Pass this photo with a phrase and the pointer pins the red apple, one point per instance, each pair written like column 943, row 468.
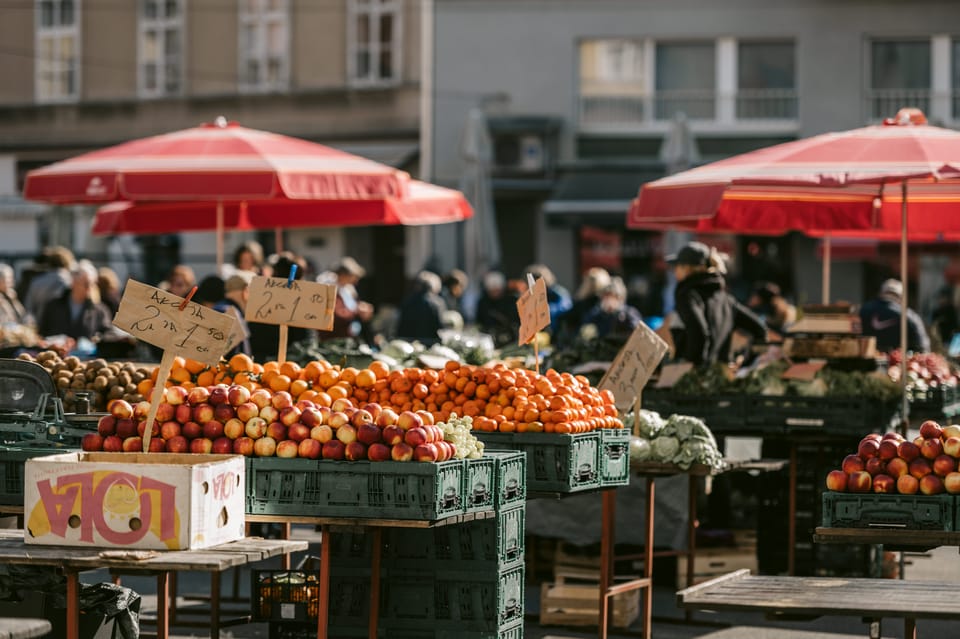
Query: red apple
column 201, row 445
column 157, row 445
column 112, row 444
column 409, row 419
column 898, row 467
column 888, row 449
column 426, row 417
column 951, row 446
column 255, row 428
column 378, row 452
column 930, row 430
column 178, row 444
column 218, row 394
column 281, row 400
column 321, row 433
column 191, row 430
column 875, row 436
column 265, row 447
column 198, row 395
column 931, row 485
column 943, row 465
column 338, row 419
column 415, row 436
column 260, row 397
column 126, row 428
column 894, row 435
column 223, row 446
column 425, row 453
column 175, row 395
column 868, row 448
column 270, row 414
column 341, row 405
column 391, row 435
column 368, row 433
column 213, row 430
column 133, row 445
column 920, row 467
column 107, row 425
column 92, row 442
column 387, row 417
column 234, row 428
column 333, row 449
column 311, row 417
column 374, row 409
column 908, row 485
column 288, row 449
column 860, row 482
column 243, row 446
column 154, row 431
column 401, row 452
column 277, row 430
column 931, row 448
column 298, row 432
column 224, row 413
column 202, row 413
column 884, row 484
column 952, row 483
column 289, row 415
column 183, row 413
column 309, row 448
column 908, row 451
column 875, row 466
column 355, row 451
column 347, row 433
column 237, row 394
column 361, row 417
column 121, row 409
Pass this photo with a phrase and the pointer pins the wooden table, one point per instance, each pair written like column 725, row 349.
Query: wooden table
column 896, row 538
column 331, row 525
column 811, row 597
column 22, row 628
column 72, row 561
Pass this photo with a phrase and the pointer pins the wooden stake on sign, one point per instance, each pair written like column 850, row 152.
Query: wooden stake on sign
column 534, row 312
column 282, row 346
column 166, row 365
column 536, row 341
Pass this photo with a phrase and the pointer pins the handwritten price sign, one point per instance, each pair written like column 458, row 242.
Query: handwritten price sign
column 303, row 304
column 534, row 311
column 154, row 316
column 633, row 365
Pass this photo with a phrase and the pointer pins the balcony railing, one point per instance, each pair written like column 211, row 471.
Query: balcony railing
column 611, row 110
column 885, row 103
column 955, row 103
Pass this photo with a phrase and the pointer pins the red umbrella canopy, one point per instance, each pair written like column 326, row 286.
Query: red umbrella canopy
column 423, row 204
column 218, row 161
column 846, row 181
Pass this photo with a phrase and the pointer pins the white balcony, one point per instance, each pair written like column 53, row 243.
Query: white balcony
column 885, row 103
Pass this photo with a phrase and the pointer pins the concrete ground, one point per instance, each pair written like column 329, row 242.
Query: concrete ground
column 942, row 565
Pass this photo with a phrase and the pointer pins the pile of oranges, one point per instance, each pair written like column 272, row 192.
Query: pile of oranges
column 498, row 398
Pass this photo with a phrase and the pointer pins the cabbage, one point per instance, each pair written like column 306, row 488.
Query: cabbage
column 639, row 449
column 664, row 448
column 649, row 423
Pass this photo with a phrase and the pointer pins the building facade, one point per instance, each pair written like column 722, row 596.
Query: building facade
column 581, row 96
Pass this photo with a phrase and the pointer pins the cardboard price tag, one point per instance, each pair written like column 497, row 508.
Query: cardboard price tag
column 154, row 316
column 303, row 304
column 670, row 374
column 805, row 371
column 633, row 365
column 534, row 311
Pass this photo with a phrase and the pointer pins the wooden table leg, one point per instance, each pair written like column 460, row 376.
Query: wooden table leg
column 692, row 524
column 909, row 628
column 73, row 604
column 163, row 604
column 646, row 612
column 375, row 583
column 285, row 529
column 324, row 607
column 172, row 586
column 607, row 529
column 792, row 512
column 214, row 605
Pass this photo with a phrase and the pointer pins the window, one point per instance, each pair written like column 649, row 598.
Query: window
column 374, row 42
column 900, row 74
column 766, row 80
column 955, row 78
column 264, row 45
column 57, row 50
column 160, row 48
column 613, row 81
column 686, row 80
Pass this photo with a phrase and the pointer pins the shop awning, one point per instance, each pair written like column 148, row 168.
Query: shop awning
column 596, row 195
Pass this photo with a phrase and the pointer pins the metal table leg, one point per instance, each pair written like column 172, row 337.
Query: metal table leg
column 73, row 604
column 214, row 605
column 324, row 607
column 608, row 522
column 792, row 512
column 909, row 628
column 163, row 604
column 646, row 608
column 375, row 583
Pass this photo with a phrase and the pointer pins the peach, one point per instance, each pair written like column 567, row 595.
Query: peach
column 884, row 484
column 265, row 447
column 355, row 451
column 860, row 482
column 381, row 452
column 908, row 485
column 298, row 432
column 222, row 446
column 930, row 430
column 321, row 433
column 201, row 445
column 333, row 449
column 288, row 449
column 309, row 448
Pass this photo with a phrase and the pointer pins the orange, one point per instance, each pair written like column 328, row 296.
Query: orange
column 380, row 369
column 413, row 374
column 179, row 375
column 193, row 365
column 348, row 374
column 279, row 382
column 336, row 392
column 366, row 378
column 145, row 386
column 361, row 395
column 420, row 391
column 312, row 371
column 451, row 366
column 272, row 365
column 290, row 369
column 328, row 377
column 321, row 398
column 206, row 378
column 298, row 386
column 430, row 376
column 179, row 362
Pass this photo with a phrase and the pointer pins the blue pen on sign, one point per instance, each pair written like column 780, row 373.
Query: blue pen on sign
column 293, row 274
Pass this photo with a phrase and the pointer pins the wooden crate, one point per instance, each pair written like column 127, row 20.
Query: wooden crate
column 713, row 562
column 565, row 604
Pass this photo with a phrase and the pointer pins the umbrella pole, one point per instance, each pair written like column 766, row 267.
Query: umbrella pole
column 905, row 405
column 825, row 286
column 278, row 239
column 219, row 267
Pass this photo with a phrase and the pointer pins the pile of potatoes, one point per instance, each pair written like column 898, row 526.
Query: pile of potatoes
column 101, row 380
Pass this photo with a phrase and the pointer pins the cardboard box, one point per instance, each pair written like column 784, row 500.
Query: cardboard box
column 134, row 500
column 713, row 562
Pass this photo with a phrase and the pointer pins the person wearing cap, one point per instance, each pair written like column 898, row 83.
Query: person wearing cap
column 709, row 313
column 880, row 318
column 236, row 292
column 350, row 313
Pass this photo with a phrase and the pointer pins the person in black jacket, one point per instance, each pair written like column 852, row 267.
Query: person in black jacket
column 709, row 314
column 421, row 313
column 78, row 312
column 880, row 318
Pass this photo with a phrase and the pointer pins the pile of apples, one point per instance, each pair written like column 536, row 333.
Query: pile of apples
column 225, row 419
column 893, row 464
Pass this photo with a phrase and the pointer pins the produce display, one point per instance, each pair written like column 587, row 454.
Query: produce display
column 890, row 463
column 680, row 439
column 102, row 380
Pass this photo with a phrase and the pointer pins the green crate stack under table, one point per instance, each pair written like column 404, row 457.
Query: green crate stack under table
column 12, row 462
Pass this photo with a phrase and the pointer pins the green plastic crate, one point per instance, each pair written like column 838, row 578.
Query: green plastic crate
column 361, row 489
column 12, row 461
column 308, row 630
column 511, row 477
column 454, row 600
column 870, row 510
column 479, row 484
column 614, row 457
column 561, row 463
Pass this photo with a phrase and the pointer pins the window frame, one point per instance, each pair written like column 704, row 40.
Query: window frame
column 160, row 24
column 873, row 98
column 260, row 20
column 375, row 9
column 55, row 34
